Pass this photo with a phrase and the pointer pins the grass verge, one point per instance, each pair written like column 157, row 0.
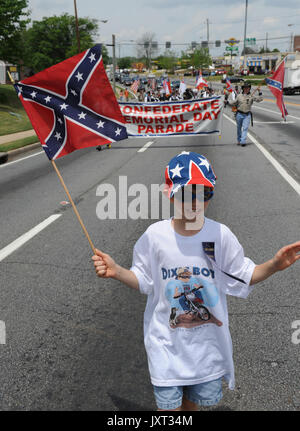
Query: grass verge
column 13, row 117
column 18, row 144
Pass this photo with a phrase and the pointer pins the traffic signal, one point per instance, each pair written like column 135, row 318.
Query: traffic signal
column 218, row 43
column 194, row 44
column 168, row 45
column 204, row 44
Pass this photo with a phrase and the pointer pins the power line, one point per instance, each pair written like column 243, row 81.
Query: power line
column 199, row 43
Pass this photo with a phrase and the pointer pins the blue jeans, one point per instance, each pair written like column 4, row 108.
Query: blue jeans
column 243, row 122
column 202, row 394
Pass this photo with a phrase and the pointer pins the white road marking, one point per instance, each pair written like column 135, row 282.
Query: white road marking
column 13, row 246
column 2, row 332
column 144, row 148
column 23, row 158
column 293, row 183
column 274, row 112
column 273, row 122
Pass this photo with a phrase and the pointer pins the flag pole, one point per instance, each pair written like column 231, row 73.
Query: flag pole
column 73, row 205
column 67, row 192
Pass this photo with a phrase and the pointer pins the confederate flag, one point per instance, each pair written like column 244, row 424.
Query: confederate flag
column 71, row 105
column 275, row 84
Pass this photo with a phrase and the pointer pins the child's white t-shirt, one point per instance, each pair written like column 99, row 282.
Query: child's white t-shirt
column 185, row 350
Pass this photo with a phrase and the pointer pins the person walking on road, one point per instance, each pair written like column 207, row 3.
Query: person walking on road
column 190, row 354
column 243, row 103
column 126, row 95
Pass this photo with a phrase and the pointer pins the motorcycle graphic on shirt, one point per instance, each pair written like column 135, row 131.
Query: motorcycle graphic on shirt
column 188, row 306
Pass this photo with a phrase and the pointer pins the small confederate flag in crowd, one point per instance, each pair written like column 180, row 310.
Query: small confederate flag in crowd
column 167, row 87
column 275, row 84
column 201, row 82
column 135, row 85
column 229, row 86
column 71, row 105
column 182, row 87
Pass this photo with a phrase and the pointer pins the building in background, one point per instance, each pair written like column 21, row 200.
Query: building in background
column 297, row 43
column 13, row 69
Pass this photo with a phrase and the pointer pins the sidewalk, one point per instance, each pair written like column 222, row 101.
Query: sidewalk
column 5, row 139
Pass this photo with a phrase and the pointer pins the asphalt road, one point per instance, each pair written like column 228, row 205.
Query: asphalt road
column 75, row 342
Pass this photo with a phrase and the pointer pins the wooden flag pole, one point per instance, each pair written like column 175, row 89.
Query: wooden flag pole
column 67, row 191
column 73, row 205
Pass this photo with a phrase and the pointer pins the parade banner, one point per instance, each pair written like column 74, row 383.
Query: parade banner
column 186, row 117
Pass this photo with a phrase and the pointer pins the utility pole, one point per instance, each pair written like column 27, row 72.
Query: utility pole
column 207, row 23
column 207, row 27
column 292, row 44
column 114, row 61
column 245, row 33
column 77, row 28
column 266, row 42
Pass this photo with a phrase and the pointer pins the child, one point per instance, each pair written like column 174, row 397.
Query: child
column 186, row 265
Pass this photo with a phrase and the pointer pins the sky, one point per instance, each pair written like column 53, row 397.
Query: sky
column 182, row 21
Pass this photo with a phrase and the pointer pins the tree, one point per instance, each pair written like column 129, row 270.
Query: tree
column 13, row 20
column 53, row 39
column 168, row 60
column 147, row 47
column 125, row 62
column 198, row 58
column 249, row 50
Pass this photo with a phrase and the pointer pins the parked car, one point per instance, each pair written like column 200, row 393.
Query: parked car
column 220, row 72
column 233, row 79
column 245, row 72
column 127, row 81
column 117, row 76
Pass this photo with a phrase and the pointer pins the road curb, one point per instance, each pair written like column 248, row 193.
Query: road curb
column 9, row 155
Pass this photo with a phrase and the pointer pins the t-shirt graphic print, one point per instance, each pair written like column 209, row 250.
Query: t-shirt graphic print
column 191, row 300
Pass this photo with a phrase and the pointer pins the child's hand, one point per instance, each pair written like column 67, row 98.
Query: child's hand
column 105, row 266
column 286, row 256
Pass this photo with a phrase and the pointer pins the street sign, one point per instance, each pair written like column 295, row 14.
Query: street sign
column 250, row 41
column 232, row 41
column 232, row 48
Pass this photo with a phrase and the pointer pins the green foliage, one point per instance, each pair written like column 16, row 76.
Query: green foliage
column 20, row 143
column 13, row 117
column 53, row 39
column 125, row 62
column 13, row 20
column 167, row 61
column 198, row 58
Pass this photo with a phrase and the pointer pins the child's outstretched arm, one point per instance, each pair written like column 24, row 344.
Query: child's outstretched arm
column 106, row 267
column 284, row 258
